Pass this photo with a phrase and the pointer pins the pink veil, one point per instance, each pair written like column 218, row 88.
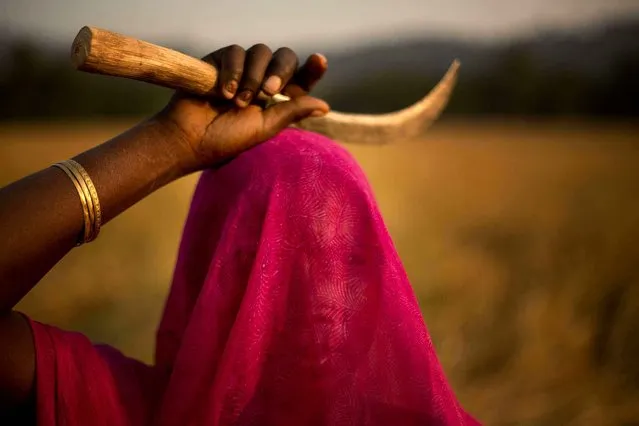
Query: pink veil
column 289, row 303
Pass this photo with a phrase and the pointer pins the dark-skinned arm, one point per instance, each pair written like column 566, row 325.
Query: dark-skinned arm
column 41, row 221
column 41, row 216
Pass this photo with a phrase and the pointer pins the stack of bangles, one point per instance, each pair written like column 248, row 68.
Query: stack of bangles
column 88, row 197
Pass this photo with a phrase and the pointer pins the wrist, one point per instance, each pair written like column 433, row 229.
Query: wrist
column 178, row 145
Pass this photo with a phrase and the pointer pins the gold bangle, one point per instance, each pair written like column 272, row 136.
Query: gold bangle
column 83, row 201
column 87, row 195
column 97, row 222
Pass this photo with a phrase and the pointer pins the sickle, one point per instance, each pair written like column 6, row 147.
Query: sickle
column 104, row 52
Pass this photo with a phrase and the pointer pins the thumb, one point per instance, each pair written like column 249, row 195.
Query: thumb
column 283, row 114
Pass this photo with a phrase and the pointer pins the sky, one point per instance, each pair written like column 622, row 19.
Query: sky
column 329, row 23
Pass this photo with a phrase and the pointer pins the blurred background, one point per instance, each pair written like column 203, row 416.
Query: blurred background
column 516, row 215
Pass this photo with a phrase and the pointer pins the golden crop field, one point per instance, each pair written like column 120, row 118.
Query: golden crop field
column 521, row 240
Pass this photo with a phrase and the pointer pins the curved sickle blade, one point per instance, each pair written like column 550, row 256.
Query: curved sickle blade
column 377, row 129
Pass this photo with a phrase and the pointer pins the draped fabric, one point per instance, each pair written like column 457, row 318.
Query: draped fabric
column 289, row 306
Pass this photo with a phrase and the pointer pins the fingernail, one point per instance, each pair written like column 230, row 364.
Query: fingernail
column 231, row 88
column 322, row 59
column 272, row 84
column 317, row 113
column 245, row 96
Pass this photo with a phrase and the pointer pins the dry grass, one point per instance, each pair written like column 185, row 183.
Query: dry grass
column 520, row 240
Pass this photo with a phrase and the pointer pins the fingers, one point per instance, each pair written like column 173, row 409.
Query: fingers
column 308, row 76
column 257, row 61
column 283, row 114
column 231, row 63
column 280, row 71
column 243, row 74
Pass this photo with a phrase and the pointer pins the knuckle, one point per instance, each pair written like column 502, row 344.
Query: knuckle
column 287, row 59
column 234, row 48
column 260, row 49
column 232, row 56
column 286, row 52
column 260, row 46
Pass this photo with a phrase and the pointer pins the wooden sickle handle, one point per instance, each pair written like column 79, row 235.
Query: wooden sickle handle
column 104, row 52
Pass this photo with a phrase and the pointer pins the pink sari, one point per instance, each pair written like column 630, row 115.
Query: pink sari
column 289, row 306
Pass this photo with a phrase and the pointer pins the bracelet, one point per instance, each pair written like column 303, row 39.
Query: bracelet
column 85, row 209
column 97, row 224
column 85, row 191
column 88, row 198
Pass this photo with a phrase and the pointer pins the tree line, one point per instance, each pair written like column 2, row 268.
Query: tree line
column 36, row 86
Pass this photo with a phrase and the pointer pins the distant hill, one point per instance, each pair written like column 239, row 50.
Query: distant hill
column 592, row 72
column 590, row 51
column 590, row 58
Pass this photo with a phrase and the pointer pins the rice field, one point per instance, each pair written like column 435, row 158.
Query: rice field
column 520, row 239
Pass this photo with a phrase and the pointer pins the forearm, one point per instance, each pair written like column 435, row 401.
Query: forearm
column 41, row 215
